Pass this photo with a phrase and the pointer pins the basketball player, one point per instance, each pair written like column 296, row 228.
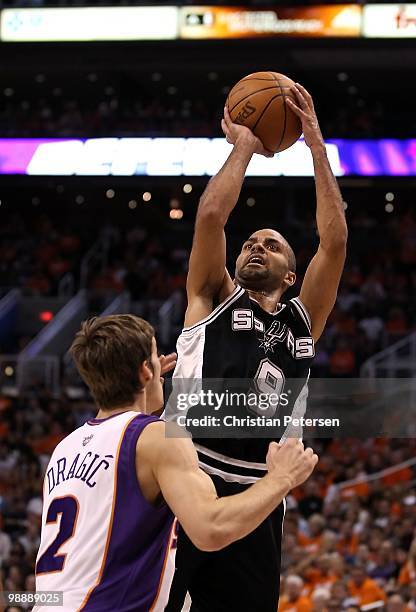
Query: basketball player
column 239, row 329
column 106, row 526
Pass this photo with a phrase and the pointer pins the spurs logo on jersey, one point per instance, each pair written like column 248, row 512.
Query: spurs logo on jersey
column 274, row 334
column 240, row 340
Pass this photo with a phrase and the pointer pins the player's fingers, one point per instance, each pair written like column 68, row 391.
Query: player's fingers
column 273, row 450
column 298, row 111
column 288, row 442
column 227, row 135
column 168, row 366
column 265, row 152
column 227, row 117
column 169, row 358
column 305, row 94
column 301, row 99
column 226, row 129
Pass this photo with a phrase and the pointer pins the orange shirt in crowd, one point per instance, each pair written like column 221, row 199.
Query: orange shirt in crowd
column 47, row 444
column 367, row 593
column 302, row 604
column 403, row 475
column 310, row 544
column 361, row 489
column 407, row 573
column 342, row 362
column 315, row 579
column 348, row 544
column 4, row 430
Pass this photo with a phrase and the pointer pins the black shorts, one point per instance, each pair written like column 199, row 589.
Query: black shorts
column 243, row 577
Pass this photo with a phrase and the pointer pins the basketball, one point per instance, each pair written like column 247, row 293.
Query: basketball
column 258, row 102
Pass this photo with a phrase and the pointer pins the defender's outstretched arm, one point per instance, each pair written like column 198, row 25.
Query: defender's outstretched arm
column 320, row 284
column 212, row 522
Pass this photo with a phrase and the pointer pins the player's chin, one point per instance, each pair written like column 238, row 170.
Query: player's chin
column 251, row 273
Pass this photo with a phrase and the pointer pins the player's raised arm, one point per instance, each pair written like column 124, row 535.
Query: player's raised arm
column 320, row 284
column 207, row 274
column 211, row 522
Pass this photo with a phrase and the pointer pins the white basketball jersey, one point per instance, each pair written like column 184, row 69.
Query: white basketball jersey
column 102, row 543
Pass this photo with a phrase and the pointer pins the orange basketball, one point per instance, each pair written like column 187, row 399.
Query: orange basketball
column 258, row 102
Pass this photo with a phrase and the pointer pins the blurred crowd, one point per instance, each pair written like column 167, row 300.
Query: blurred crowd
column 346, row 544
column 377, row 298
column 157, row 104
column 37, row 251
column 198, row 117
column 35, row 254
column 353, row 546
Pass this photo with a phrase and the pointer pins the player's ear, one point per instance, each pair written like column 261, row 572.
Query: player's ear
column 145, row 373
column 289, row 279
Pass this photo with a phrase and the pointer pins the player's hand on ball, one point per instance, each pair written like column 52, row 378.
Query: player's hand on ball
column 306, row 112
column 234, row 132
column 291, row 461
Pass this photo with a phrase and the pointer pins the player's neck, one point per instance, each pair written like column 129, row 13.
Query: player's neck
column 138, row 406
column 268, row 301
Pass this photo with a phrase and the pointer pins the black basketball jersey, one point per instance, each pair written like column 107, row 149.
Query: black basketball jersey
column 240, row 340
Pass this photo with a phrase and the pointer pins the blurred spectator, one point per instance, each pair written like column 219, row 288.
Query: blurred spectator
column 319, row 600
column 385, row 566
column 292, row 599
column 396, row 603
column 408, row 571
column 312, row 502
column 372, row 325
column 364, row 589
column 311, row 540
column 342, row 361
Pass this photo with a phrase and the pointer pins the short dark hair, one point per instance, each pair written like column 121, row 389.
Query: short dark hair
column 291, row 258
column 108, row 352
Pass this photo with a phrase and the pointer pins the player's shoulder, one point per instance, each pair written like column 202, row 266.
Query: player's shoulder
column 299, row 313
column 160, row 440
column 222, row 307
column 94, row 426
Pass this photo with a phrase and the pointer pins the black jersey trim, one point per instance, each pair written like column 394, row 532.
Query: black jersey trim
column 229, row 476
column 302, row 311
column 230, row 460
column 231, row 467
column 238, row 292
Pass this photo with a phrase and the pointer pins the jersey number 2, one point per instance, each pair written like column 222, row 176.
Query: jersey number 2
column 68, row 508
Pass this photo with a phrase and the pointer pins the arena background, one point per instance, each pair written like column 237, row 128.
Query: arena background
column 96, row 239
